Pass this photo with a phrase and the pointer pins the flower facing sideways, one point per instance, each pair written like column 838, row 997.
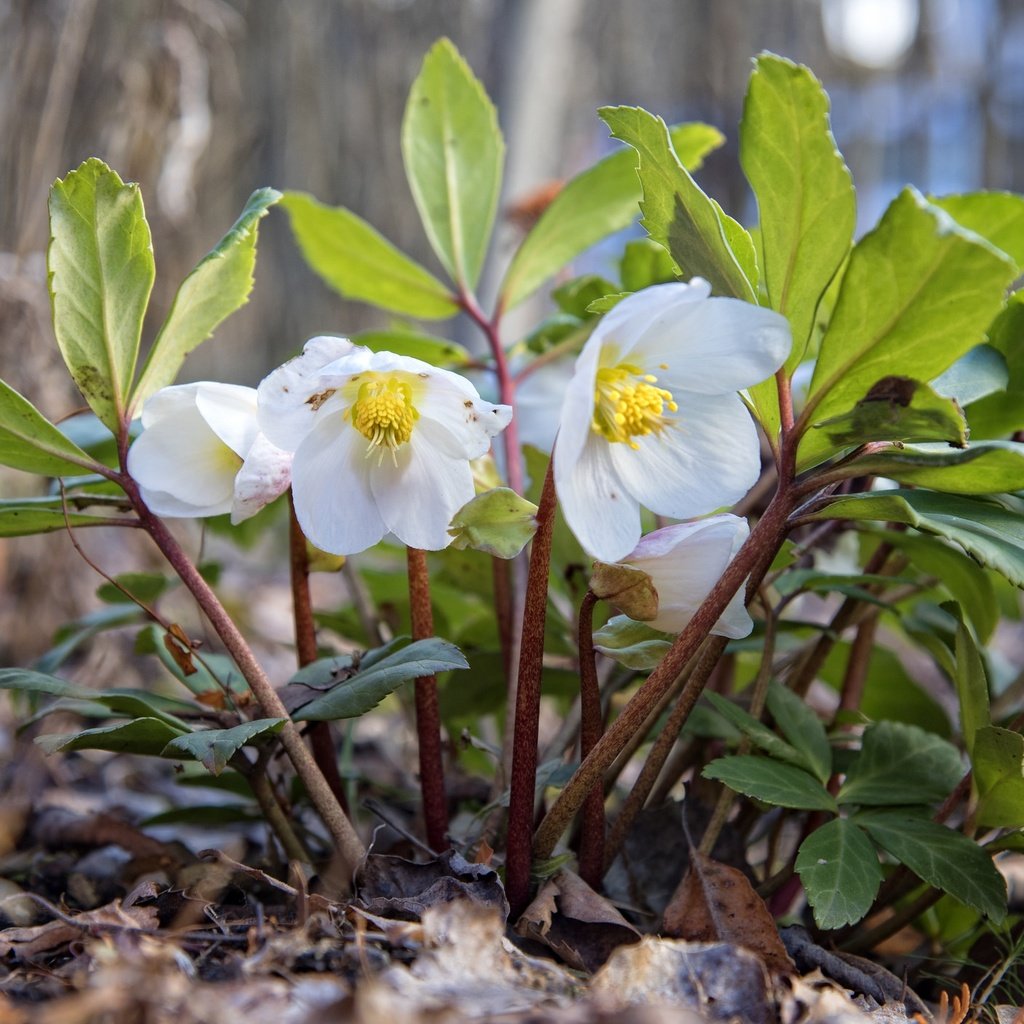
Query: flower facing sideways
column 652, row 416
column 382, row 443
column 666, row 578
column 201, row 453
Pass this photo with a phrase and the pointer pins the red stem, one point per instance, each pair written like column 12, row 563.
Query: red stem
column 591, row 726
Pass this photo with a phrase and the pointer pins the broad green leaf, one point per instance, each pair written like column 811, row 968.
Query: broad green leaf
column 644, row 263
column 27, row 680
column 998, row 763
column 900, row 764
column 144, row 586
column 576, row 296
column 632, row 644
column 918, row 293
column 971, row 687
column 996, row 216
column 498, row 522
column 596, row 203
column 803, row 728
column 771, row 781
column 805, row 199
column 215, row 747
column 676, row 212
column 1000, row 415
column 987, row 530
column 436, row 351
column 980, row 373
column 841, row 873
column 23, row 518
column 453, row 152
column 101, row 270
column 371, row 684
column 29, row 441
column 219, row 284
column 148, row 736
column 359, row 263
column 943, row 858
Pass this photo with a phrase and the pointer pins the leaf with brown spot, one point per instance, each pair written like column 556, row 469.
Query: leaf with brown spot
column 180, row 649
column 717, row 903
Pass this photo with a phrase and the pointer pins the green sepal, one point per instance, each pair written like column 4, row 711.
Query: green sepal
column 499, row 522
column 632, row 644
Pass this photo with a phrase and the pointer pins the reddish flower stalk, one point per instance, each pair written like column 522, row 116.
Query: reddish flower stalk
column 591, row 856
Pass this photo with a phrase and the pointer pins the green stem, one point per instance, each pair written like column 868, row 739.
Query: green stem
column 273, row 814
column 591, row 857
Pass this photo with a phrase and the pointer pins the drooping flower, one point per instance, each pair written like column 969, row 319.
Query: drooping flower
column 652, row 416
column 201, row 453
column 382, row 443
column 666, row 578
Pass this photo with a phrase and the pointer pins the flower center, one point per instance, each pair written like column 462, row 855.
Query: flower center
column 628, row 405
column 384, row 414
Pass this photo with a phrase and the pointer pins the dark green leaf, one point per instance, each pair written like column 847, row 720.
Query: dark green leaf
column 206, row 815
column 998, row 762
column 803, row 728
column 437, row 351
column 144, row 586
column 771, row 781
column 839, row 867
column 30, row 442
column 28, row 681
column 971, row 687
column 215, row 747
column 148, row 736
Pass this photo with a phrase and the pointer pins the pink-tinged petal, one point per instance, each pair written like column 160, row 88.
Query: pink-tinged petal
column 265, row 475
column 331, row 489
column 418, row 497
column 453, row 416
column 230, row 410
column 599, row 509
column 706, row 459
column 574, row 427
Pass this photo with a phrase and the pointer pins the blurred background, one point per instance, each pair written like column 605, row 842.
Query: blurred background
column 201, row 101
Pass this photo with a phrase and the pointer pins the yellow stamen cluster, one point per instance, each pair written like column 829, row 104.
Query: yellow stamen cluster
column 384, row 414
column 628, row 405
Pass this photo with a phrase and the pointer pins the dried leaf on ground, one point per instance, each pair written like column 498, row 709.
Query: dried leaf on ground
column 28, row 942
column 715, row 902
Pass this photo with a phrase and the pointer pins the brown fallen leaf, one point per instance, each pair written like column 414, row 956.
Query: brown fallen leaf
column 716, row 903
column 27, row 942
column 582, row 927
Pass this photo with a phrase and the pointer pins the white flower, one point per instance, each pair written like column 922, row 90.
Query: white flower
column 681, row 563
column 382, row 443
column 652, row 417
column 201, row 453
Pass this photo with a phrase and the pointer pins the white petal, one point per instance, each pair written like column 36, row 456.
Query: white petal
column 230, row 410
column 624, row 324
column 574, row 427
column 169, row 402
column 330, row 485
column 453, row 416
column 169, row 507
column 265, row 474
column 708, row 458
column 418, row 498
column 600, row 511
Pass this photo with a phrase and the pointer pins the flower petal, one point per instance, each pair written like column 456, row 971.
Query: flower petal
column 626, row 322
column 265, row 474
column 230, row 410
column 709, row 457
column 455, row 418
column 574, row 427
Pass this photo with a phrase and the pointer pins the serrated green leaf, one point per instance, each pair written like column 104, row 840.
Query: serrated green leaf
column 805, row 198
column 632, row 644
column 676, row 212
column 499, row 522
column 100, row 264
column 30, row 442
column 219, row 284
column 147, row 736
column 771, row 781
column 433, row 350
column 453, row 152
column 998, row 763
column 996, row 216
column 987, row 530
column 803, row 728
column 372, row 683
column 215, row 747
column 900, row 764
column 941, row 857
column 359, row 263
column 917, row 294
column 839, row 868
column 596, row 203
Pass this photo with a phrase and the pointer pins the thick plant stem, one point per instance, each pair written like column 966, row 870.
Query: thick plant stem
column 350, row 849
column 271, row 809
column 591, row 857
column 428, row 713
column 753, row 560
column 527, row 708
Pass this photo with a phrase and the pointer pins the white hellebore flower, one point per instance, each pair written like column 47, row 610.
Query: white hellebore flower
column 651, row 416
column 201, row 453
column 680, row 564
column 382, row 443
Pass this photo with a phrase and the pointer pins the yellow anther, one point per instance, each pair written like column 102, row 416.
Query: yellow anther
column 383, row 413
column 627, row 405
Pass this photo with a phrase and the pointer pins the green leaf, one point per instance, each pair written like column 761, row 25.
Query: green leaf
column 632, row 644
column 987, row 530
column 805, row 199
column 901, row 764
column 29, row 441
column 839, row 868
column 575, row 297
column 25, row 517
column 998, row 762
column 999, row 415
column 971, row 687
column 148, row 736
column 917, row 294
column 764, row 779
column 72, row 635
column 980, row 373
column 26, row 680
column 215, row 747
column 101, row 270
column 372, row 683
column 404, row 342
column 596, row 203
column 498, row 522
column 943, row 858
column 453, row 152
column 803, row 728
column 645, row 263
column 219, row 284
column 144, row 586
column 996, row 216
column 676, row 212
column 359, row 263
